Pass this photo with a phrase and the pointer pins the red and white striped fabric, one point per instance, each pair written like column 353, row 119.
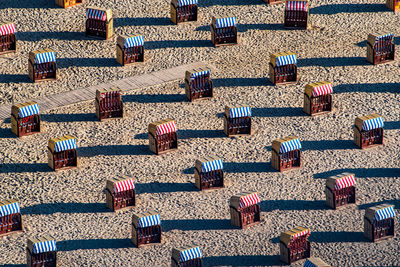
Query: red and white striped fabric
column 345, row 182
column 296, row 6
column 305, row 232
column 111, row 94
column 165, row 128
column 124, row 185
column 249, row 200
column 325, row 89
column 7, row 29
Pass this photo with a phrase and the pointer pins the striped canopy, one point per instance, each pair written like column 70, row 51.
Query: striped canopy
column 65, row 145
column 165, row 128
column 249, row 200
column 45, row 246
column 9, row 209
column 134, row 41
column 345, row 182
column 124, row 185
column 297, row 6
column 190, row 254
column 384, row 213
column 304, row 232
column 325, row 89
column 309, row 264
column 45, row 57
column 96, row 14
column 7, row 29
column 212, row 165
column 240, row 112
column 286, row 60
column 372, row 124
column 290, row 145
column 28, row 111
column 225, row 22
column 187, row 2
column 149, row 221
column 200, row 73
column 384, row 36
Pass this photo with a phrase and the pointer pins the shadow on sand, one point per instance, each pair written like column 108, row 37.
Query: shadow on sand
column 362, row 173
column 70, row 245
column 50, row 208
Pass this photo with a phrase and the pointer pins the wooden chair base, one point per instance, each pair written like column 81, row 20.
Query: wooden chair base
column 226, row 44
column 249, row 225
column 13, row 232
column 319, row 113
column 287, row 83
column 44, row 80
column 147, row 245
column 381, row 62
column 253, row 131
column 8, row 52
column 371, row 146
column 100, row 37
column 124, row 209
column 65, row 168
column 291, row 169
column 166, row 151
column 342, row 207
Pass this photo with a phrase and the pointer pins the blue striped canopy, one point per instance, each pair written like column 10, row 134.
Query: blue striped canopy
column 212, row 165
column 187, row 2
column 290, row 145
column 9, row 209
column 28, row 111
column 65, row 145
column 225, row 22
column 149, row 221
column 390, row 35
column 45, row 246
column 200, row 73
column 373, row 124
column 309, row 264
column 133, row 41
column 45, row 57
column 190, row 254
column 240, row 112
column 384, row 213
column 286, row 60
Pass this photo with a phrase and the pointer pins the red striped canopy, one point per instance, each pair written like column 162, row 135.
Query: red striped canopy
column 325, row 89
column 124, row 185
column 344, row 182
column 7, row 29
column 249, row 200
column 296, row 6
column 305, row 232
column 165, row 128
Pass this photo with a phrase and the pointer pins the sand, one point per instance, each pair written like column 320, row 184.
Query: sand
column 70, row 205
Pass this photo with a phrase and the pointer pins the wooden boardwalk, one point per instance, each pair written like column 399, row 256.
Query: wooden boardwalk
column 127, row 84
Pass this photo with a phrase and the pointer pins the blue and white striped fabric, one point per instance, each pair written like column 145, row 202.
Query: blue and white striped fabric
column 286, row 60
column 65, row 145
column 187, row 2
column 149, row 221
column 225, row 22
column 309, row 264
column 385, row 213
column 9, row 209
column 45, row 246
column 200, row 73
column 390, row 35
column 373, row 124
column 190, row 254
column 240, row 112
column 45, row 57
column 28, row 111
column 133, row 41
column 290, row 145
column 212, row 165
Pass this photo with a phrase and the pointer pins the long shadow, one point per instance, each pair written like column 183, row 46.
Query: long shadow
column 24, row 167
column 367, row 87
column 68, row 117
column 243, row 167
column 6, row 133
column 176, row 44
column 42, row 4
column 243, row 260
column 208, row 3
column 114, row 150
column 365, row 206
column 251, row 26
column 332, row 61
column 14, row 78
column 282, row 204
column 321, row 145
column 142, row 21
column 348, row 8
column 152, row 98
column 396, row 41
column 277, row 112
column 62, row 35
column 51, row 208
column 70, row 245
column 87, row 62
column 12, row 265
column 264, row 81
column 331, row 237
column 188, row 134
column 156, row 187
column 196, row 224
column 392, row 125
column 362, row 173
